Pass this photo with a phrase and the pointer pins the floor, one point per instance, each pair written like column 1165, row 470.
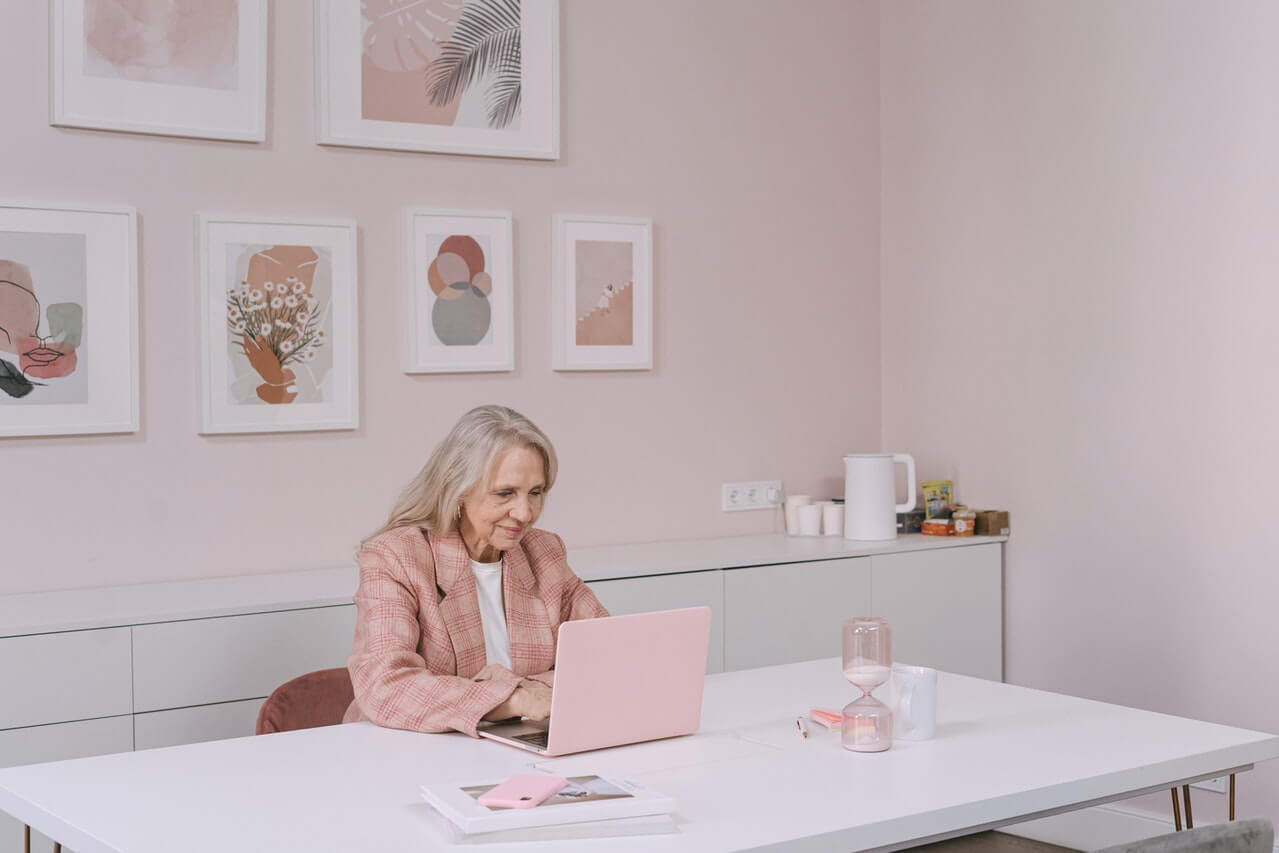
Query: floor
column 993, row 842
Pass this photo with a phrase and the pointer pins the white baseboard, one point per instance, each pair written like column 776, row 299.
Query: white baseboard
column 1095, row 828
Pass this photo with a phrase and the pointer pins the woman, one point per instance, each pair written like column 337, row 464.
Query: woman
column 460, row 598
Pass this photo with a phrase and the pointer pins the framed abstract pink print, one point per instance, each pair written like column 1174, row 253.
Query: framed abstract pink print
column 602, row 293
column 279, row 334
column 177, row 68
column 68, row 320
column 460, row 293
column 449, row 76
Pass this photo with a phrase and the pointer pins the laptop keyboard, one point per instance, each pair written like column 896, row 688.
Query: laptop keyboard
column 537, row 739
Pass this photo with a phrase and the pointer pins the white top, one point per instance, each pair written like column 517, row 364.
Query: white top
column 747, row 780
column 488, row 587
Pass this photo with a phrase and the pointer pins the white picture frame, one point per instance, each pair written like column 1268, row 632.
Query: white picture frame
column 589, row 330
column 301, row 373
column 461, row 320
column 375, row 63
column 69, row 353
column 181, row 72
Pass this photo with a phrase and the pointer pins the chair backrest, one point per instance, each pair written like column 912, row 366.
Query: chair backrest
column 316, row 699
column 1240, row 836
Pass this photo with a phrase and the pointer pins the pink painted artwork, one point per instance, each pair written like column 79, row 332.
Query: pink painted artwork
column 441, row 62
column 461, row 314
column 279, row 326
column 42, row 323
column 172, row 42
column 604, row 292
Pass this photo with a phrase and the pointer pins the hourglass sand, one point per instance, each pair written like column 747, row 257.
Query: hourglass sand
column 868, row 663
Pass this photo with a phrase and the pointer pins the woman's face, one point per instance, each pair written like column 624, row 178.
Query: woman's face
column 497, row 514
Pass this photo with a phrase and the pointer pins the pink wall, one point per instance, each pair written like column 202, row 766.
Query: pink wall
column 1079, row 265
column 757, row 160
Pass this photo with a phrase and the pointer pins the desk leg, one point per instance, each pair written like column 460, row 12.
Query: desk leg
column 26, row 839
column 1190, row 821
column 1176, row 810
column 57, row 848
column 1232, row 796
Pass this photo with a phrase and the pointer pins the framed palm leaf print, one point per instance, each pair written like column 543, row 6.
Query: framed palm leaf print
column 448, row 76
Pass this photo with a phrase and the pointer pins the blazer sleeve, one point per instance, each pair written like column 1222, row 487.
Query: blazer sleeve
column 577, row 601
column 393, row 686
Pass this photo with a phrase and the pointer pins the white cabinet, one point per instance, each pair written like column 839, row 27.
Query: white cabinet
column 791, row 612
column 945, row 606
column 670, row 592
column 195, row 725
column 54, row 678
column 177, row 664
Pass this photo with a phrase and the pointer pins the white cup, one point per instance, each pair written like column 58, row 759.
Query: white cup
column 833, row 519
column 913, row 698
column 793, row 503
column 810, row 520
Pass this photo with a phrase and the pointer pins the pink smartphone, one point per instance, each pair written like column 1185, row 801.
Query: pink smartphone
column 521, row 792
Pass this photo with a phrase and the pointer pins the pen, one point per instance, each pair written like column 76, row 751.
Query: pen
column 803, row 729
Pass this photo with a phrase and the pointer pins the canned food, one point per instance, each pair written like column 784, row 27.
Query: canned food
column 965, row 522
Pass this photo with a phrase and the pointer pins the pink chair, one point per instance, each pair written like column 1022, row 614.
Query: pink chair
column 316, row 699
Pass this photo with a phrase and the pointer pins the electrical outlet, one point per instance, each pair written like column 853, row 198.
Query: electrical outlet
column 1216, row 783
column 760, row 494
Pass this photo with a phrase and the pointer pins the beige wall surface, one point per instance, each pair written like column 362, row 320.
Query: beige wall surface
column 755, row 155
column 1079, row 266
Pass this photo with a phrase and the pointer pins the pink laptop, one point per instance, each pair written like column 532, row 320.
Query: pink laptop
column 621, row 679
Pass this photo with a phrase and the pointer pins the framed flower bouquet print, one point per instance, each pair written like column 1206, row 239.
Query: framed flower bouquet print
column 177, row 68
column 68, row 320
column 450, row 76
column 602, row 293
column 460, row 295
column 279, row 327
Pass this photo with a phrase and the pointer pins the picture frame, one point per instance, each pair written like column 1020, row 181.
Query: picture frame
column 602, row 293
column 294, row 281
column 459, row 291
column 195, row 68
column 395, row 74
column 68, row 319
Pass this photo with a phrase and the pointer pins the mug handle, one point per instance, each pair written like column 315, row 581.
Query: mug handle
column 903, row 705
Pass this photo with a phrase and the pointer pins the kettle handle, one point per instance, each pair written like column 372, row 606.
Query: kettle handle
column 909, row 461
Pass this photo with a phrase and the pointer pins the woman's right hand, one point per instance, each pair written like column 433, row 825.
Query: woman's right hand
column 531, row 700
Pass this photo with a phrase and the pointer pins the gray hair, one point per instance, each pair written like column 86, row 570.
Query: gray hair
column 462, row 461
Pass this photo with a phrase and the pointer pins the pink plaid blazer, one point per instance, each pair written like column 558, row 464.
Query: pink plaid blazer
column 418, row 637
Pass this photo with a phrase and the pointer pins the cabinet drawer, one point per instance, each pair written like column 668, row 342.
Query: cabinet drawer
column 54, row 678
column 176, row 664
column 791, row 612
column 670, row 592
column 945, row 606
column 195, row 725
column 66, row 740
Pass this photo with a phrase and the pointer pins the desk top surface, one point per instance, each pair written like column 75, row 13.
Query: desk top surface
column 745, row 781
column 136, row 604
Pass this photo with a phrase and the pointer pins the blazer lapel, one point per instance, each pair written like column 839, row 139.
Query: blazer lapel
column 528, row 625
column 459, row 606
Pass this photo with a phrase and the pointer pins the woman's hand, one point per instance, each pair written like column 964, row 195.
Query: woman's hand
column 531, row 699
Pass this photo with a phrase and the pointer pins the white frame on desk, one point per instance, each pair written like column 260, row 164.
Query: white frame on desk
column 77, row 99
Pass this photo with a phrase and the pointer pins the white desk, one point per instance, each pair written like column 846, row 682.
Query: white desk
column 747, row 781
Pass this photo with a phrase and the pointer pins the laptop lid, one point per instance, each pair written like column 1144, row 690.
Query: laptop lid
column 626, row 679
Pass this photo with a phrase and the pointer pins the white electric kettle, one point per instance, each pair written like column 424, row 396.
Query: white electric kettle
column 870, row 494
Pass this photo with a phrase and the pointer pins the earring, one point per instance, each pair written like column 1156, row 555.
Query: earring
column 459, row 512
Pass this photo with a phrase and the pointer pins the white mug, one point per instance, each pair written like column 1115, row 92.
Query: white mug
column 913, row 698
column 833, row 519
column 792, row 505
column 810, row 519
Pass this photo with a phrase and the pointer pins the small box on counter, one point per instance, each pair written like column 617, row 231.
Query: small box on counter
column 910, row 522
column 936, row 527
column 992, row 522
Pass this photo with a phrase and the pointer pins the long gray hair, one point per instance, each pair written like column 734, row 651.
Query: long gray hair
column 462, row 461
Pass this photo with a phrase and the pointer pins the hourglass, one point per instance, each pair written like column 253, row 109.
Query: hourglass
column 868, row 663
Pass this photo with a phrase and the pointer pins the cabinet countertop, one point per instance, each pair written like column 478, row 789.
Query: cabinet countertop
column 203, row 598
